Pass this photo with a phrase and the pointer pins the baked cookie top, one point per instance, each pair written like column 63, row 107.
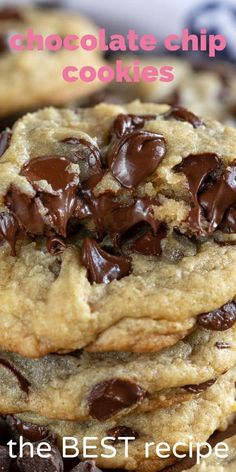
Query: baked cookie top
column 121, row 228
column 30, row 79
column 63, row 386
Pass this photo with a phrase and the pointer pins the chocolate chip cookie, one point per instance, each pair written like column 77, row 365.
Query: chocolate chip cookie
column 194, row 420
column 31, row 78
column 119, row 255
column 62, row 386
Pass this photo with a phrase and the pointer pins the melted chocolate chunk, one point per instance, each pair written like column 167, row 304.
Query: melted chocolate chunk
column 121, row 432
column 53, row 463
column 8, row 229
column 55, row 198
column 24, row 383
column 10, row 14
column 198, row 168
column 228, row 224
column 29, row 431
column 56, row 245
column 213, row 191
column 149, row 243
column 219, row 197
column 26, row 211
column 109, row 397
column 5, row 461
column 88, row 156
column 219, row 320
column 5, row 136
column 113, row 216
column 222, row 345
column 103, row 267
column 135, row 156
column 182, row 114
column 127, row 123
column 200, row 387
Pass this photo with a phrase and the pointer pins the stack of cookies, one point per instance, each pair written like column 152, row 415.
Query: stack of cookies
column 117, row 275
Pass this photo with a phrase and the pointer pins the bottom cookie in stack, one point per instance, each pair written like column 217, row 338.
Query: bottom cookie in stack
column 183, row 393
column 55, row 463
column 191, row 422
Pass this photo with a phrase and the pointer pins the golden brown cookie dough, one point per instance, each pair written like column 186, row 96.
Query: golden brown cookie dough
column 60, row 386
column 192, row 421
column 191, row 267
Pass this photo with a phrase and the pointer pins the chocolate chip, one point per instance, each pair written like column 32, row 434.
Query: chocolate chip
column 127, row 123
column 213, row 191
column 88, row 156
column 228, row 224
column 56, row 245
column 87, row 466
column 149, row 243
column 55, row 200
column 198, row 169
column 5, row 461
column 10, row 14
column 200, row 387
column 53, row 463
column 103, row 267
column 26, row 211
column 29, row 431
column 182, row 114
column 8, row 229
column 113, row 216
column 109, row 397
column 219, row 197
column 5, row 136
column 135, row 156
column 219, row 320
column 24, row 383
column 122, row 431
column 222, row 345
